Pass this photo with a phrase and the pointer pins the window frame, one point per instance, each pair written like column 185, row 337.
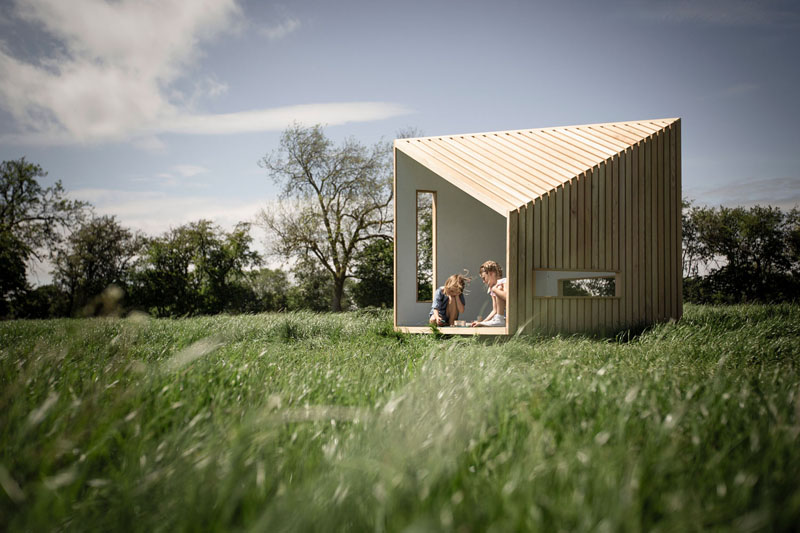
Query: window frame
column 560, row 286
column 433, row 244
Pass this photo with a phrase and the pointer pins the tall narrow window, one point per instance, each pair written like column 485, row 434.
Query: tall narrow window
column 426, row 220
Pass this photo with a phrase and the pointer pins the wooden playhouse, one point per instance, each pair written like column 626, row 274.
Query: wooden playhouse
column 585, row 220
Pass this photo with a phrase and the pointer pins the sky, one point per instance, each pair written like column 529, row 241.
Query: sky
column 158, row 112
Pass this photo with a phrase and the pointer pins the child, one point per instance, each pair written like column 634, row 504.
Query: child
column 492, row 276
column 448, row 301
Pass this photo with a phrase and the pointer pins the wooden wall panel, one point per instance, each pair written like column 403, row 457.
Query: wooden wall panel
column 623, row 215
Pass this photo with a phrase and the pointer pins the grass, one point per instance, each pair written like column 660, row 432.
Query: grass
column 293, row 422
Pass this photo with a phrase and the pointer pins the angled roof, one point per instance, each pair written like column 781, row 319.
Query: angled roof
column 507, row 169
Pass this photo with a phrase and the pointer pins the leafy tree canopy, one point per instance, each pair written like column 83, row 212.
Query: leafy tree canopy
column 334, row 199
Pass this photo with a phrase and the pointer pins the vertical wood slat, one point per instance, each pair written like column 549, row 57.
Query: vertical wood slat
column 608, row 204
column 616, row 252
column 573, row 225
column 678, row 178
column 544, row 233
column 558, row 197
column 551, row 232
column 599, row 208
column 640, row 224
column 587, row 221
column 529, row 242
column 512, row 264
column 537, row 227
column 522, row 264
column 565, row 223
column 661, row 242
column 675, row 210
column 537, row 260
column 666, row 253
column 592, row 218
column 647, row 231
column 628, row 240
column 581, row 220
column 611, row 167
column 653, row 220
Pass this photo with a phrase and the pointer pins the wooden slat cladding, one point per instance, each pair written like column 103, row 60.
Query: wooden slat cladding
column 623, row 216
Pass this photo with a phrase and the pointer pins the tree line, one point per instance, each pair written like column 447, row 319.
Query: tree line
column 737, row 254
column 332, row 223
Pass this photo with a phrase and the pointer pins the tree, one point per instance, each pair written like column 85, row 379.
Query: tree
column 270, row 288
column 313, row 288
column 374, row 269
column 31, row 218
column 97, row 255
column 333, row 200
column 195, row 269
column 746, row 254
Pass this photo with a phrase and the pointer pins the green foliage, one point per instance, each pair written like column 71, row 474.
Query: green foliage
column 31, row 218
column 97, row 255
column 308, row 422
column 196, row 268
column 375, row 273
column 424, row 247
column 13, row 278
column 748, row 255
column 333, row 200
column 270, row 289
column 313, row 287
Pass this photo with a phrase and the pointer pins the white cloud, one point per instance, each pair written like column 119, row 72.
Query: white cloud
column 153, row 212
column 108, row 82
column 278, row 118
column 114, row 77
column 187, row 171
column 287, row 26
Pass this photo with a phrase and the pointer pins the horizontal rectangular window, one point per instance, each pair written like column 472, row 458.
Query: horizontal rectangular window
column 575, row 284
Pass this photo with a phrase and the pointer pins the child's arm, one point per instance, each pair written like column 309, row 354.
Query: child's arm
column 501, row 291
column 460, row 304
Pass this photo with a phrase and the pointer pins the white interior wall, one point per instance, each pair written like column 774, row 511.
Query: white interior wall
column 467, row 234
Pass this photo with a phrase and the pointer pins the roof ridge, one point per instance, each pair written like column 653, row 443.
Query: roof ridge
column 665, row 121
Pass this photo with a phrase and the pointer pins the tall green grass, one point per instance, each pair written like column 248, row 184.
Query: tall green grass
column 287, row 422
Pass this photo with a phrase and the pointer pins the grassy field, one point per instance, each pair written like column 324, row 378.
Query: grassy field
column 287, row 422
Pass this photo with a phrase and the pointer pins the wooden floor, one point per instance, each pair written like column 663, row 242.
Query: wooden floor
column 455, row 330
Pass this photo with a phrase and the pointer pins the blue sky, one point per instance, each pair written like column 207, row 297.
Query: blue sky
column 158, row 112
